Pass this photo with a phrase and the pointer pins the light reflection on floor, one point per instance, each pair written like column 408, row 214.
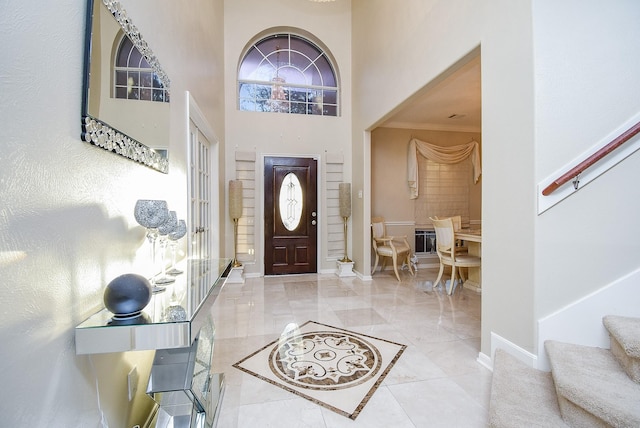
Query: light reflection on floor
column 436, row 383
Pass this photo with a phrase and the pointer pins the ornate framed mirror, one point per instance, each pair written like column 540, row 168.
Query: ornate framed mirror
column 126, row 93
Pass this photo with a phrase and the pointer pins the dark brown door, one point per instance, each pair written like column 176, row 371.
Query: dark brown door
column 290, row 215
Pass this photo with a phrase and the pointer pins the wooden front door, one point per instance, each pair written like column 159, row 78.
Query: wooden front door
column 291, row 218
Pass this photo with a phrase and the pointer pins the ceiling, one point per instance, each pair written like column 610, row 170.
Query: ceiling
column 451, row 103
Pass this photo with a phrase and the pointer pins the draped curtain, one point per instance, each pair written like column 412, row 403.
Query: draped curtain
column 439, row 154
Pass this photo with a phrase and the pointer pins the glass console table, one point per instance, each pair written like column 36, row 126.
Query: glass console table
column 178, row 325
column 172, row 319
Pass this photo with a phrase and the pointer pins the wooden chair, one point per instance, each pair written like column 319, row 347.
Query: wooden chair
column 457, row 225
column 446, row 249
column 394, row 247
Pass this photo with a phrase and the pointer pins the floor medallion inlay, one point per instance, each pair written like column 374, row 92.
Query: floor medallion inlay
column 332, row 367
column 325, row 360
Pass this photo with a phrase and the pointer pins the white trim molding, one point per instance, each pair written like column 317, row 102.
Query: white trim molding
column 499, row 342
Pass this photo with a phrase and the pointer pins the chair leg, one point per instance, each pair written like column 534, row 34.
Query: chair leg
column 395, row 267
column 453, row 277
column 375, row 265
column 435, row 284
column 409, row 263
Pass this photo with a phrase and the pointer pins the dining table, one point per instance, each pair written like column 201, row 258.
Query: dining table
column 473, row 240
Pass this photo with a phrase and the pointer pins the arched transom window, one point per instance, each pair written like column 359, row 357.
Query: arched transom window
column 287, row 73
column 134, row 77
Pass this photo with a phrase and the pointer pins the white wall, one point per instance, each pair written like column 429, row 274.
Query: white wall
column 281, row 134
column 66, row 207
column 587, row 67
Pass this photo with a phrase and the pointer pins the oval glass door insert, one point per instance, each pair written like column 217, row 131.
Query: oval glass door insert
column 291, row 201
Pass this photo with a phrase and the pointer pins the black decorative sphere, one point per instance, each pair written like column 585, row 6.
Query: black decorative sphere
column 127, row 295
column 139, row 319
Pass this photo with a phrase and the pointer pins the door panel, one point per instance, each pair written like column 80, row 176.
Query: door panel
column 200, row 194
column 290, row 215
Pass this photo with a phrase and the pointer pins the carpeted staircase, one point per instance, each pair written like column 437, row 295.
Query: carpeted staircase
column 587, row 386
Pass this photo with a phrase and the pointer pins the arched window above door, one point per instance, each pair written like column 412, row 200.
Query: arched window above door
column 287, row 73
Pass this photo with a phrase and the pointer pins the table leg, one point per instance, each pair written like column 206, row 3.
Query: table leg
column 474, row 279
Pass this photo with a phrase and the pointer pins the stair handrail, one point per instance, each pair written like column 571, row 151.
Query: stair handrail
column 575, row 172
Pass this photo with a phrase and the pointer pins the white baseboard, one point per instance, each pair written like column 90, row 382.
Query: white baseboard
column 499, row 342
column 435, row 265
column 322, row 272
column 253, row 275
column 485, row 360
column 363, row 277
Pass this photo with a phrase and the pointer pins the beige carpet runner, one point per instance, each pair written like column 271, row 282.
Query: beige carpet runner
column 588, row 386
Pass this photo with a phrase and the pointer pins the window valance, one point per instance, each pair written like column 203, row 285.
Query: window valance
column 453, row 154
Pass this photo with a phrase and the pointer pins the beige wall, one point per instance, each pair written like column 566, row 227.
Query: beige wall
column 66, row 221
column 389, row 188
column 281, row 134
column 417, row 44
column 536, row 116
column 66, row 217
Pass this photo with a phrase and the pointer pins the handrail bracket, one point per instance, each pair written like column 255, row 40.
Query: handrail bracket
column 576, row 182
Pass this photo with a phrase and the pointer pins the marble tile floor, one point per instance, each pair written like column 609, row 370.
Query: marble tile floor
column 437, row 382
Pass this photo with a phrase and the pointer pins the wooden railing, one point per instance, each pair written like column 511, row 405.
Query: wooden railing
column 574, row 172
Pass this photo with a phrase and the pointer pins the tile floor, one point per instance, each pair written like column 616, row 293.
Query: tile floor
column 437, row 381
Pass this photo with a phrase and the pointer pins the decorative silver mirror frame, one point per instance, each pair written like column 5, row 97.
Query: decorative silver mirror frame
column 101, row 134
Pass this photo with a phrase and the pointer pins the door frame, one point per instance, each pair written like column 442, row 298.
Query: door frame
column 193, row 113
column 260, row 205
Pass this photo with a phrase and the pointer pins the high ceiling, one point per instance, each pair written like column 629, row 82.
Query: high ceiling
column 451, row 103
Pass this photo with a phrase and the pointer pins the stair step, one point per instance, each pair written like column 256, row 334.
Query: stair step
column 625, row 342
column 592, row 388
column 521, row 396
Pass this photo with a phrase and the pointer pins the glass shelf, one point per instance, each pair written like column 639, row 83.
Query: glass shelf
column 172, row 319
